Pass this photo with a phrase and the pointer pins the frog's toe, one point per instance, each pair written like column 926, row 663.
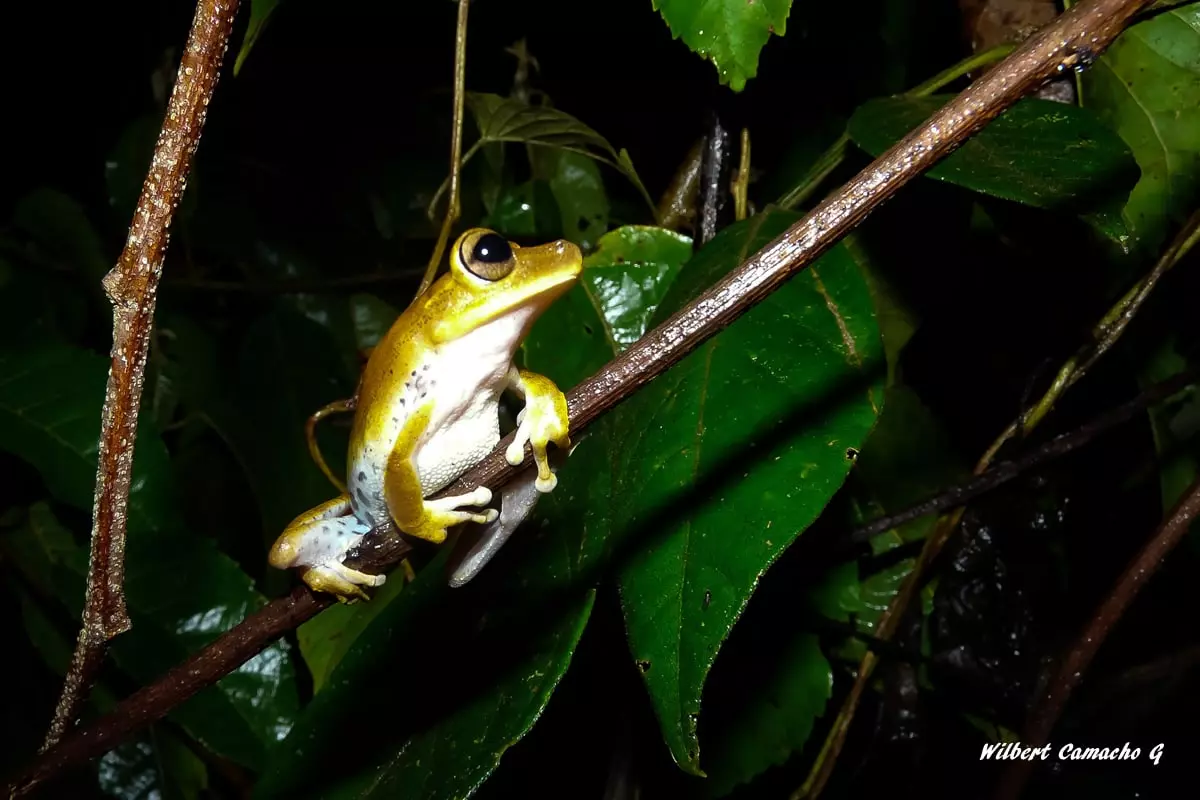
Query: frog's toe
column 324, row 579
column 515, row 452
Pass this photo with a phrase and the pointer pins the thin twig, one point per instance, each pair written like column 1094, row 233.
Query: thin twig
column 131, row 287
column 1085, row 30
column 741, row 181
column 714, row 169
column 677, row 206
column 1109, row 329
column 1079, row 657
column 1005, row 471
column 453, row 203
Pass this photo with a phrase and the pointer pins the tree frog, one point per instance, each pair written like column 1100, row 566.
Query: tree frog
column 427, row 407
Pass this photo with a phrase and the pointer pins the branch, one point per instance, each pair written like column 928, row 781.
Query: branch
column 1075, row 37
column 131, row 287
column 150, row 704
column 1079, row 657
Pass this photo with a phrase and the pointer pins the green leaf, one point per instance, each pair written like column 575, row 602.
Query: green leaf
column 724, row 460
column 260, row 15
column 526, row 211
column 790, row 688
column 38, row 306
column 907, row 458
column 628, row 275
column 1146, row 87
column 729, row 33
column 1175, row 425
column 578, row 192
column 1039, row 153
column 325, row 639
column 505, row 119
column 61, row 230
column 154, row 765
column 372, row 319
column 182, row 593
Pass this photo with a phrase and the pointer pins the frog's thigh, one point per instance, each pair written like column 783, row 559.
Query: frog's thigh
column 412, row 513
column 401, row 484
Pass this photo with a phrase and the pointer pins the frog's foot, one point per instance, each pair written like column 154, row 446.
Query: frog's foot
column 319, row 539
column 339, row 580
column 447, row 512
column 543, row 420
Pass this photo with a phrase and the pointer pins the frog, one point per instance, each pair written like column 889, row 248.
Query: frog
column 426, row 408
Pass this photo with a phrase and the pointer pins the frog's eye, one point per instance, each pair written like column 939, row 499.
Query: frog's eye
column 487, row 255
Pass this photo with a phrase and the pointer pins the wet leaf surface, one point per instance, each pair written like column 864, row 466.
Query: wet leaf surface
column 1039, row 153
column 1146, row 86
column 729, row 33
column 728, row 457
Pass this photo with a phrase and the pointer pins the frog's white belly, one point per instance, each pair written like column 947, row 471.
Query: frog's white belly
column 463, row 379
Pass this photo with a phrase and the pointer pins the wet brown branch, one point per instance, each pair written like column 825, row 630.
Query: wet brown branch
column 1074, row 38
column 1070, row 671
column 131, row 286
column 150, row 704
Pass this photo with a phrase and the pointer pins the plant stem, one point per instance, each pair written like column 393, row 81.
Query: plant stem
column 453, row 204
column 131, row 287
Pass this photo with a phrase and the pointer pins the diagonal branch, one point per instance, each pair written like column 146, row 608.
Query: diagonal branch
column 131, row 286
column 1073, row 38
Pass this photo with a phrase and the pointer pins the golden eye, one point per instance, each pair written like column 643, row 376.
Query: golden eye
column 487, row 255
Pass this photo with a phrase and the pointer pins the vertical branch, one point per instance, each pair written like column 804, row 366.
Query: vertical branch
column 131, row 287
column 453, row 208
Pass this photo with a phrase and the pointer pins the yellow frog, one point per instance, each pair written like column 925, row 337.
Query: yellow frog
column 426, row 408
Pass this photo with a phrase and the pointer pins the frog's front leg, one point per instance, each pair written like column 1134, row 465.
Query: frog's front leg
column 319, row 539
column 543, row 420
column 412, row 513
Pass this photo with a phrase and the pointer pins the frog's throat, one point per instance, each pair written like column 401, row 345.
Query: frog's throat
column 538, row 296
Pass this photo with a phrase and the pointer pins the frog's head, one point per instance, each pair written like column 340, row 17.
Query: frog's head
column 492, row 279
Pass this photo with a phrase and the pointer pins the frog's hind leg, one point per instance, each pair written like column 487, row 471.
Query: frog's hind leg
column 412, row 513
column 319, row 539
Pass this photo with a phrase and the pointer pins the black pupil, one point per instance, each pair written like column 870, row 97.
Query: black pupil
column 492, row 249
